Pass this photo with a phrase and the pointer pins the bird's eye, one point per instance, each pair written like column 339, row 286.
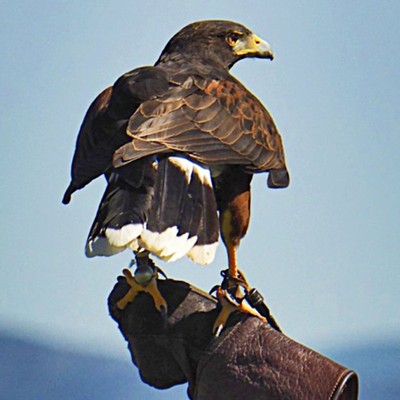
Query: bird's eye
column 233, row 37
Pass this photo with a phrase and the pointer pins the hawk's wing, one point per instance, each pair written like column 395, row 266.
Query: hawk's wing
column 104, row 127
column 212, row 121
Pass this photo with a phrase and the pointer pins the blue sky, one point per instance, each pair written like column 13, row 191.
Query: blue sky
column 325, row 252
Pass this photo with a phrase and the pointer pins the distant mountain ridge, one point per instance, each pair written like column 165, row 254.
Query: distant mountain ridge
column 29, row 370
column 32, row 371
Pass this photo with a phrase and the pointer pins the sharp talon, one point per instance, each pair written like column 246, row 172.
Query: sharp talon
column 218, row 331
column 161, row 272
column 214, row 289
column 164, row 312
column 159, row 301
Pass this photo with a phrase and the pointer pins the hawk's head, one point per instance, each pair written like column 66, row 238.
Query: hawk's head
column 221, row 42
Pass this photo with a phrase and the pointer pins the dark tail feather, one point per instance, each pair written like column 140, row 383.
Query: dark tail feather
column 169, row 210
column 183, row 218
column 123, row 210
column 208, row 229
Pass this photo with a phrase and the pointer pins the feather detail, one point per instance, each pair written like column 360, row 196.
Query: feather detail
column 203, row 254
column 99, row 246
column 124, row 235
column 167, row 245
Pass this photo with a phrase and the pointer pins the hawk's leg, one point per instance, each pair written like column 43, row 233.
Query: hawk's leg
column 231, row 299
column 232, row 260
column 229, row 306
column 143, row 280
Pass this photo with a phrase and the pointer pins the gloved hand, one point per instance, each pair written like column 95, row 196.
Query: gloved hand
column 249, row 360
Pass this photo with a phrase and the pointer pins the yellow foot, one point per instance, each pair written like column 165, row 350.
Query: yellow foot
column 149, row 287
column 229, row 306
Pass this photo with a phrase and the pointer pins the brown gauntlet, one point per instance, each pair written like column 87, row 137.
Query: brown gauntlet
column 249, row 360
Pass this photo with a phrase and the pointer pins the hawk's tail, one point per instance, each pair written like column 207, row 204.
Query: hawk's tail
column 171, row 212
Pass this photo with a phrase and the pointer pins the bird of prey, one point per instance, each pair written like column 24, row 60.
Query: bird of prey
column 178, row 143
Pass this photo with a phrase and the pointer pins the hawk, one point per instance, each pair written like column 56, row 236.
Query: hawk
column 178, row 143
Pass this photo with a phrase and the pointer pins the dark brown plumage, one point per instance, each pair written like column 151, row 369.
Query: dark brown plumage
column 185, row 117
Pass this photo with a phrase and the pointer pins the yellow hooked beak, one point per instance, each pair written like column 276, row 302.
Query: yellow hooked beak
column 252, row 46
